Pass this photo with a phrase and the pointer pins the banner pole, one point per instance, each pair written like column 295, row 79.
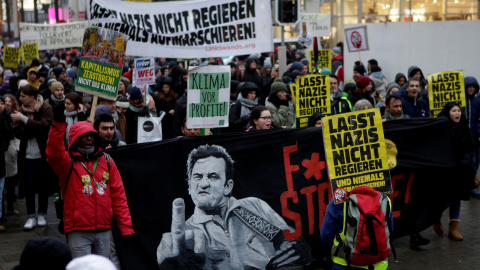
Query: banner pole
column 94, row 107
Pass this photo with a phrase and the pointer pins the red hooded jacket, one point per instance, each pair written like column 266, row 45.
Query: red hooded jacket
column 90, row 201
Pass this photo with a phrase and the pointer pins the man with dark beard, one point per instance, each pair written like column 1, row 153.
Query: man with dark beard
column 105, row 127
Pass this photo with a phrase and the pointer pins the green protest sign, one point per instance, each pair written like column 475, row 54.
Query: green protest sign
column 208, row 97
column 100, row 78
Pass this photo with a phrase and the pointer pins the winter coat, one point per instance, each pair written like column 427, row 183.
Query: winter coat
column 251, row 75
column 89, row 201
column 413, row 108
column 472, row 112
column 237, row 121
column 36, row 82
column 380, row 83
column 341, row 103
column 5, row 136
column 282, row 115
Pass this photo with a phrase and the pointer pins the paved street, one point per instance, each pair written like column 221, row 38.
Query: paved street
column 442, row 253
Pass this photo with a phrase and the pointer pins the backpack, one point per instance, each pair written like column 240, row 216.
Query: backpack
column 365, row 238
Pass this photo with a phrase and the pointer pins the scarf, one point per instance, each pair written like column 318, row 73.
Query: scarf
column 85, row 152
column 56, row 100
column 389, row 116
column 70, row 118
column 115, row 117
column 138, row 107
column 247, row 106
column 29, row 111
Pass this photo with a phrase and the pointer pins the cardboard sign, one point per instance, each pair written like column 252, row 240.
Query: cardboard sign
column 357, row 39
column 11, row 57
column 101, row 63
column 324, row 60
column 318, row 25
column 312, row 95
column 445, row 87
column 56, row 36
column 208, row 97
column 29, row 52
column 356, row 152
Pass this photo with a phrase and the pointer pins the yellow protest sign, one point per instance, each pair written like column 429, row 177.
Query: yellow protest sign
column 356, row 152
column 312, row 94
column 324, row 60
column 92, row 38
column 445, row 87
column 11, row 57
column 29, row 52
column 119, row 43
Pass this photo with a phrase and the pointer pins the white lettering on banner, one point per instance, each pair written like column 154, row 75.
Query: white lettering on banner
column 56, row 36
column 187, row 28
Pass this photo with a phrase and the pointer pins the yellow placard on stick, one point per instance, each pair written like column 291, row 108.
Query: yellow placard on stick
column 445, row 87
column 29, row 52
column 120, row 44
column 11, row 57
column 324, row 60
column 356, row 152
column 312, row 94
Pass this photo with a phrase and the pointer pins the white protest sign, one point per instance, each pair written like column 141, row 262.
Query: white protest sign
column 208, row 97
column 357, row 39
column 318, row 25
column 144, row 72
column 188, row 29
column 56, row 36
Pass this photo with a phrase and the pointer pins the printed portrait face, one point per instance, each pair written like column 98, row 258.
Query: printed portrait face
column 208, row 185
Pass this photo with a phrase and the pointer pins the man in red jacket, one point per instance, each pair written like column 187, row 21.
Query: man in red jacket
column 92, row 192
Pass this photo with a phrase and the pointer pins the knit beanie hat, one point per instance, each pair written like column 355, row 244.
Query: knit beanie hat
column 247, row 87
column 57, row 71
column 391, row 86
column 296, row 66
column 350, row 85
column 56, row 85
column 336, row 51
column 135, row 93
column 71, row 73
column 46, row 253
column 363, row 81
column 122, row 102
column 375, row 68
column 325, row 71
column 22, row 83
column 360, row 69
column 278, row 86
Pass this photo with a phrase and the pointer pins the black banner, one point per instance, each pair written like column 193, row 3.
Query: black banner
column 287, row 170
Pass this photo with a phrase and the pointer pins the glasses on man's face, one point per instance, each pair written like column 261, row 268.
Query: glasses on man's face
column 266, row 117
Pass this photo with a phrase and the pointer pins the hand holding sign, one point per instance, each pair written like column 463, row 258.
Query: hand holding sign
column 181, row 246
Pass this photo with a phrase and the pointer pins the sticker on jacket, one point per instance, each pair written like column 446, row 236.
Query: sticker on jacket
column 86, row 180
column 87, row 190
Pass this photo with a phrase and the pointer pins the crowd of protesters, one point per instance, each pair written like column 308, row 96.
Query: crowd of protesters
column 33, row 96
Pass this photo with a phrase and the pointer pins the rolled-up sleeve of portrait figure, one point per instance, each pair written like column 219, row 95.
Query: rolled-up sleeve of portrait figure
column 224, row 232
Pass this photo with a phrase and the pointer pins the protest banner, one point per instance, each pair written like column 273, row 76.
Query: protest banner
column 143, row 72
column 29, row 52
column 324, row 60
column 208, row 97
column 318, row 25
column 294, row 183
column 56, row 36
column 11, row 57
column 356, row 152
column 445, row 87
column 357, row 39
column 100, row 64
column 188, row 29
column 312, row 95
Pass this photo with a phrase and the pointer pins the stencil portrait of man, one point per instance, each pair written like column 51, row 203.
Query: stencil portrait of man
column 224, row 232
